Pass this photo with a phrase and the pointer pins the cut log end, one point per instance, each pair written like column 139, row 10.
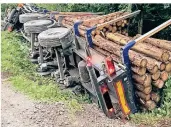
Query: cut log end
column 146, row 90
column 155, row 97
column 162, row 66
column 143, row 96
column 143, row 63
column 147, row 81
column 168, row 67
column 154, row 69
column 156, row 75
column 164, row 76
column 138, row 70
column 159, row 83
column 150, row 105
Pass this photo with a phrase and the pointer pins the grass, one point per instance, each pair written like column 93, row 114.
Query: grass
column 15, row 60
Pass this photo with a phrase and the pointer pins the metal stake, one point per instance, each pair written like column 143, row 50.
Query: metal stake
column 59, row 64
column 41, row 54
column 32, row 41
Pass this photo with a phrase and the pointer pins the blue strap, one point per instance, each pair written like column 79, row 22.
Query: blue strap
column 89, row 37
column 130, row 88
column 125, row 53
column 76, row 25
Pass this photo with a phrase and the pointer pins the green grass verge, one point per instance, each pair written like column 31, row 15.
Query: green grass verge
column 15, row 60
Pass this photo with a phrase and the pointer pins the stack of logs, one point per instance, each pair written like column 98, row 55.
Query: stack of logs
column 92, row 20
column 150, row 59
column 151, row 64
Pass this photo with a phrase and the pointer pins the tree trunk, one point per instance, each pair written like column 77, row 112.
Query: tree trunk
column 162, row 66
column 143, row 89
column 168, row 67
column 105, row 53
column 155, row 97
column 156, row 75
column 150, row 105
column 163, row 44
column 101, row 19
column 144, row 80
column 136, row 58
column 147, row 49
column 158, row 83
column 143, row 96
column 164, row 76
column 138, row 70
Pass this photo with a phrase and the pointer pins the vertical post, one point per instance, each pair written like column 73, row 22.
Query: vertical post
column 140, row 23
column 58, row 56
column 129, row 8
column 32, row 41
column 41, row 54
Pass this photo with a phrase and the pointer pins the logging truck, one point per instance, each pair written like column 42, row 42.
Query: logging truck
column 109, row 71
column 121, row 73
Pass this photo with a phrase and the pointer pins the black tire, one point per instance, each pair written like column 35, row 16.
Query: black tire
column 53, row 36
column 36, row 26
column 11, row 15
column 23, row 18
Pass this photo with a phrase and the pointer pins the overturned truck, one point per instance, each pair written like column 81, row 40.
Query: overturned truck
column 121, row 73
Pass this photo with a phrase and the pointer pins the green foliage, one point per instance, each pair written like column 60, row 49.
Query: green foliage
column 15, row 60
column 165, row 108
column 6, row 6
column 153, row 16
column 106, row 8
column 147, row 119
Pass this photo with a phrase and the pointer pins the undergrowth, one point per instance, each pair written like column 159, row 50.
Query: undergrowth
column 24, row 78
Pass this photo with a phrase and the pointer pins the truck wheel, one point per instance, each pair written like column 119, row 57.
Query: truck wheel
column 54, row 36
column 23, row 18
column 11, row 15
column 36, row 26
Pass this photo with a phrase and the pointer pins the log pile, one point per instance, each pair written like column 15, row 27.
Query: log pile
column 150, row 59
column 92, row 20
column 150, row 64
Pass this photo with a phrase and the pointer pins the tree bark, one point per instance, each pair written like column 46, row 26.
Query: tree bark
column 147, row 49
column 150, row 105
column 163, row 44
column 136, row 58
column 138, row 70
column 164, row 76
column 155, row 97
column 101, row 19
column 143, row 96
column 143, row 89
column 162, row 66
column 144, row 80
column 158, row 83
column 156, row 75
column 168, row 67
column 106, row 53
